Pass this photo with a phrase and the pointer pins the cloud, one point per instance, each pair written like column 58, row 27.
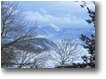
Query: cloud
column 60, row 13
column 44, row 18
column 43, row 11
column 35, row 16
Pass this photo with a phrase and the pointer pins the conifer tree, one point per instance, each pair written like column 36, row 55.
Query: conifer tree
column 89, row 41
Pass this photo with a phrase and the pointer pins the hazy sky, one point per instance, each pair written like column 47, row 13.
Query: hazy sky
column 57, row 14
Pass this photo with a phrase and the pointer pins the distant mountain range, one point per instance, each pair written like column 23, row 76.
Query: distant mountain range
column 54, row 33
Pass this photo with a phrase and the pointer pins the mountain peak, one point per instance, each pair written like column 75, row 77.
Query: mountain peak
column 56, row 28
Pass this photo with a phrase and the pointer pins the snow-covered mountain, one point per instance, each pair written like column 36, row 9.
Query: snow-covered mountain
column 54, row 32
column 56, row 28
column 36, row 45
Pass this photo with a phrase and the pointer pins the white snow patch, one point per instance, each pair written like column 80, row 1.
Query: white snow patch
column 54, row 27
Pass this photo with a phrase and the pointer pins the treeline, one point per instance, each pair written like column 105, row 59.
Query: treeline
column 22, row 48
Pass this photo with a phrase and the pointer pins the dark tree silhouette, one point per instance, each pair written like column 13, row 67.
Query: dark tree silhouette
column 89, row 41
column 16, row 36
